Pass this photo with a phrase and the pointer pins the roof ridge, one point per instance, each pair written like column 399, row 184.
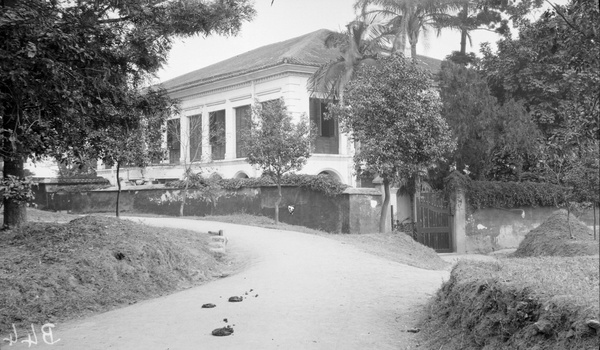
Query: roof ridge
column 306, row 40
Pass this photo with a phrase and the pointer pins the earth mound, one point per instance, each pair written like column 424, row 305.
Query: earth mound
column 53, row 271
column 552, row 238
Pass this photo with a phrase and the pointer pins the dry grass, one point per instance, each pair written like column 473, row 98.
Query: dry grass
column 54, row 271
column 552, row 238
column 502, row 305
column 35, row 215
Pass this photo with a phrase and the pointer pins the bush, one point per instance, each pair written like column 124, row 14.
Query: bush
column 498, row 194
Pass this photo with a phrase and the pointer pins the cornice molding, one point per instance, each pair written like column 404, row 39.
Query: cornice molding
column 227, row 84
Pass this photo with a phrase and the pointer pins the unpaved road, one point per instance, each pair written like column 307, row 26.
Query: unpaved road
column 313, row 293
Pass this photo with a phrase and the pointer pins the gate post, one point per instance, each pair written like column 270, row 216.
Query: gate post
column 460, row 221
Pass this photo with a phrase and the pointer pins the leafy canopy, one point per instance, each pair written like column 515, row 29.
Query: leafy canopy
column 71, row 75
column 67, row 69
column 494, row 141
column 392, row 109
column 275, row 143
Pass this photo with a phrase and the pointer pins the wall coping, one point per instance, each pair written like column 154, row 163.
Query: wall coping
column 349, row 190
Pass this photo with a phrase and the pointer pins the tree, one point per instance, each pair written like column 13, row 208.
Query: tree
column 406, row 19
column 553, row 68
column 495, row 141
column 191, row 141
column 70, row 68
column 137, row 138
column 467, row 16
column 393, row 110
column 360, row 44
column 276, row 144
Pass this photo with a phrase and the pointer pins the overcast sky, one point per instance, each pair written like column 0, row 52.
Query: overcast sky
column 286, row 19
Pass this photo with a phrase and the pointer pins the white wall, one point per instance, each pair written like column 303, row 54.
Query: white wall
column 245, row 90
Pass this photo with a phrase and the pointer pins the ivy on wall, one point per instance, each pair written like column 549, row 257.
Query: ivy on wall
column 493, row 194
column 319, row 183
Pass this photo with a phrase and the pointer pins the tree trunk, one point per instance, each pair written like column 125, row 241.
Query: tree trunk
column 15, row 212
column 413, row 49
column 384, row 206
column 463, row 32
column 569, row 221
column 278, row 201
column 463, row 42
column 183, row 197
column 594, row 221
column 118, row 189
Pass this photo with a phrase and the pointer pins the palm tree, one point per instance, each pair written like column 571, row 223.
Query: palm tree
column 363, row 40
column 491, row 15
column 406, row 18
column 470, row 15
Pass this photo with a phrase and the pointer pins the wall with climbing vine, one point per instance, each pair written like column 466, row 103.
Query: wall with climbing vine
column 500, row 214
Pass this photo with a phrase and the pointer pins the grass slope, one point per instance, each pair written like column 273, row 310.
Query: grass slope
column 552, row 238
column 532, row 303
column 55, row 271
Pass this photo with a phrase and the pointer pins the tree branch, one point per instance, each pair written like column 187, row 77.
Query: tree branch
column 566, row 20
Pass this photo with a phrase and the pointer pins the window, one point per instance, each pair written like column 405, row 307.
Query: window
column 217, row 134
column 318, row 115
column 327, row 135
column 195, row 138
column 243, row 119
column 173, row 137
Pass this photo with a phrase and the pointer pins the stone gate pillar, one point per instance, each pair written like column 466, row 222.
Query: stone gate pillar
column 459, row 228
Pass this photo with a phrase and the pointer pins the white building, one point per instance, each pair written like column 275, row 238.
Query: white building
column 217, row 98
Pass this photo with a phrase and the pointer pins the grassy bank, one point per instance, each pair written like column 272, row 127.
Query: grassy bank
column 529, row 303
column 52, row 271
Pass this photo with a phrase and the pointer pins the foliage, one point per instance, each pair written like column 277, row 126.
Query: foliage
column 360, row 44
column 393, row 111
column 319, row 183
column 17, row 189
column 500, row 194
column 553, row 67
column 325, row 184
column 462, row 59
column 81, row 169
column 467, row 16
column 405, row 19
column 495, row 141
column 584, row 180
column 276, row 144
column 72, row 69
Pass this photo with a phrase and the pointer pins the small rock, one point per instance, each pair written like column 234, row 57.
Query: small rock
column 222, row 332
column 543, row 326
column 413, row 330
column 593, row 324
column 208, row 306
column 236, row 299
column 225, row 320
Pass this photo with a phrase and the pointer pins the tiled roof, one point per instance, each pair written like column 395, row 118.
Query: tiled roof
column 308, row 50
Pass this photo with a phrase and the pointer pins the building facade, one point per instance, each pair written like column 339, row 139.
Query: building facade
column 214, row 113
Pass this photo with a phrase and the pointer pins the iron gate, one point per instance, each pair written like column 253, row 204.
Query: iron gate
column 434, row 222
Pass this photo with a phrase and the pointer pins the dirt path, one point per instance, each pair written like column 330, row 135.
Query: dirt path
column 313, row 293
